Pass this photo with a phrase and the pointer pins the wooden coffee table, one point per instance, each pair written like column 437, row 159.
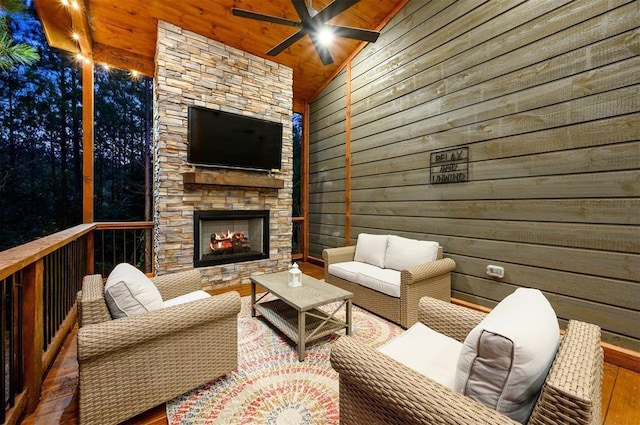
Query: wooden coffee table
column 294, row 313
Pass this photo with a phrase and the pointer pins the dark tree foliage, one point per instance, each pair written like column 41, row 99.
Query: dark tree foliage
column 41, row 143
column 297, row 165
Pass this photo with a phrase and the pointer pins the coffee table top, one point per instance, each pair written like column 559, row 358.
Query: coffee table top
column 313, row 292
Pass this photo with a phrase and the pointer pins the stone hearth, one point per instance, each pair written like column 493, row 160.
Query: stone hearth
column 193, row 70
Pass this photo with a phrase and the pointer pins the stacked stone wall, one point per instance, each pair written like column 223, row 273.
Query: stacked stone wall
column 194, row 70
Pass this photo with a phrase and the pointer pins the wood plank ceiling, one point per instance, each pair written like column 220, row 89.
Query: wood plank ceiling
column 123, row 33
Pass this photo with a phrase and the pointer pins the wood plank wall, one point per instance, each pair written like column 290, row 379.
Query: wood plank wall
column 546, row 96
column 327, row 168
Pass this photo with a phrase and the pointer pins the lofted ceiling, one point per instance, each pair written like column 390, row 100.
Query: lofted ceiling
column 122, row 33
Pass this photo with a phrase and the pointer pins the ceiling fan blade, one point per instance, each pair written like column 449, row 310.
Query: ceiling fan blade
column 303, row 12
column 286, row 43
column 333, row 9
column 354, row 33
column 323, row 52
column 262, row 17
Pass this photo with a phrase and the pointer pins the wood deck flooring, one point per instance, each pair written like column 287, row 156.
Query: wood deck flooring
column 59, row 403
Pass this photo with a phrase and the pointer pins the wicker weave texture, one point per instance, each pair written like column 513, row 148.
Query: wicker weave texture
column 131, row 364
column 572, row 392
column 173, row 285
column 375, row 389
column 429, row 279
column 448, row 319
column 93, row 308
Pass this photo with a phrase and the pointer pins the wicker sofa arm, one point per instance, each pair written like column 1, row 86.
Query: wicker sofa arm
column 375, row 389
column 179, row 283
column 427, row 270
column 92, row 307
column 338, row 255
column 573, row 387
column 101, row 338
column 449, row 319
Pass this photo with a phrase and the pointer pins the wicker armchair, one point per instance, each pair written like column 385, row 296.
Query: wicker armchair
column 375, row 389
column 430, row 279
column 132, row 364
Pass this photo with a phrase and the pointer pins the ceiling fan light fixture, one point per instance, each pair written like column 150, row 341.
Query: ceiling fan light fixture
column 314, row 24
column 312, row 11
column 325, row 36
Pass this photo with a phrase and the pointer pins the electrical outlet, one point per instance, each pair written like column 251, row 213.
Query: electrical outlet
column 495, row 271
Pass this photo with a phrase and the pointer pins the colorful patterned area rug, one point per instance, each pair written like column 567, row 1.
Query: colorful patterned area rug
column 270, row 385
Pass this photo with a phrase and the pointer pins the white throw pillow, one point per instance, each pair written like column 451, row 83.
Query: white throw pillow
column 505, row 359
column 129, row 292
column 404, row 253
column 371, row 249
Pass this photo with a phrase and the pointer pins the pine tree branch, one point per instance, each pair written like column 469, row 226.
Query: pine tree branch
column 11, row 53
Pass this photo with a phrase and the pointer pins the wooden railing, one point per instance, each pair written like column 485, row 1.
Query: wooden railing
column 38, row 285
column 123, row 243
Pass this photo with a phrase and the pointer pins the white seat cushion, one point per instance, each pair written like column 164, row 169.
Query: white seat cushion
column 371, row 249
column 386, row 281
column 349, row 270
column 403, row 253
column 129, row 292
column 505, row 359
column 191, row 296
column 426, row 351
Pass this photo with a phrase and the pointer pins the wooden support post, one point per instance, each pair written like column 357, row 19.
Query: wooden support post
column 87, row 156
column 33, row 331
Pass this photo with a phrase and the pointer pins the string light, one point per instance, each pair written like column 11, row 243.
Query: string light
column 82, row 58
column 65, row 2
column 75, row 36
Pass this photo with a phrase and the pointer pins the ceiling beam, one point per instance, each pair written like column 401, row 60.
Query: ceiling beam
column 123, row 59
column 80, row 23
column 56, row 23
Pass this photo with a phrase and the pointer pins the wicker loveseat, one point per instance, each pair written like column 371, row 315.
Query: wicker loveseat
column 131, row 364
column 429, row 278
column 376, row 389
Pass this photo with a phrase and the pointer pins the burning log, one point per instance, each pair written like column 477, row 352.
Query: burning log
column 229, row 242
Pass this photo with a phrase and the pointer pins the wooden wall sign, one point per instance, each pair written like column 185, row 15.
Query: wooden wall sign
column 450, row 166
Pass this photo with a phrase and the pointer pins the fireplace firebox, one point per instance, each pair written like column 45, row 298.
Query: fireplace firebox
column 224, row 237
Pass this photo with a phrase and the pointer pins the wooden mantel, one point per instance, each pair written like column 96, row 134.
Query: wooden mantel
column 216, row 179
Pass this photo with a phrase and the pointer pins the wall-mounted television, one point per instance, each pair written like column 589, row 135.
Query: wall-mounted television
column 223, row 139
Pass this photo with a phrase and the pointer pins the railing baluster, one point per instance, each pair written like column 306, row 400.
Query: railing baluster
column 103, row 251
column 135, row 247
column 124, row 245
column 3, row 354
column 15, row 344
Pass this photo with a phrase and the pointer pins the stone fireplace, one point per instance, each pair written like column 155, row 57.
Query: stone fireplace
column 227, row 237
column 194, row 70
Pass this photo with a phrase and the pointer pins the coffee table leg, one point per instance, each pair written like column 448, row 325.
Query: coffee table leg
column 301, row 335
column 253, row 299
column 348, row 317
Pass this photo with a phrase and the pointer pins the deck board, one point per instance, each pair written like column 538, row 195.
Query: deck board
column 624, row 408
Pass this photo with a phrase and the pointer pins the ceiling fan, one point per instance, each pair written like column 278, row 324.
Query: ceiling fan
column 312, row 23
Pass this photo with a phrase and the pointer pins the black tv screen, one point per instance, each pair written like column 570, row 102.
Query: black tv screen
column 223, row 139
